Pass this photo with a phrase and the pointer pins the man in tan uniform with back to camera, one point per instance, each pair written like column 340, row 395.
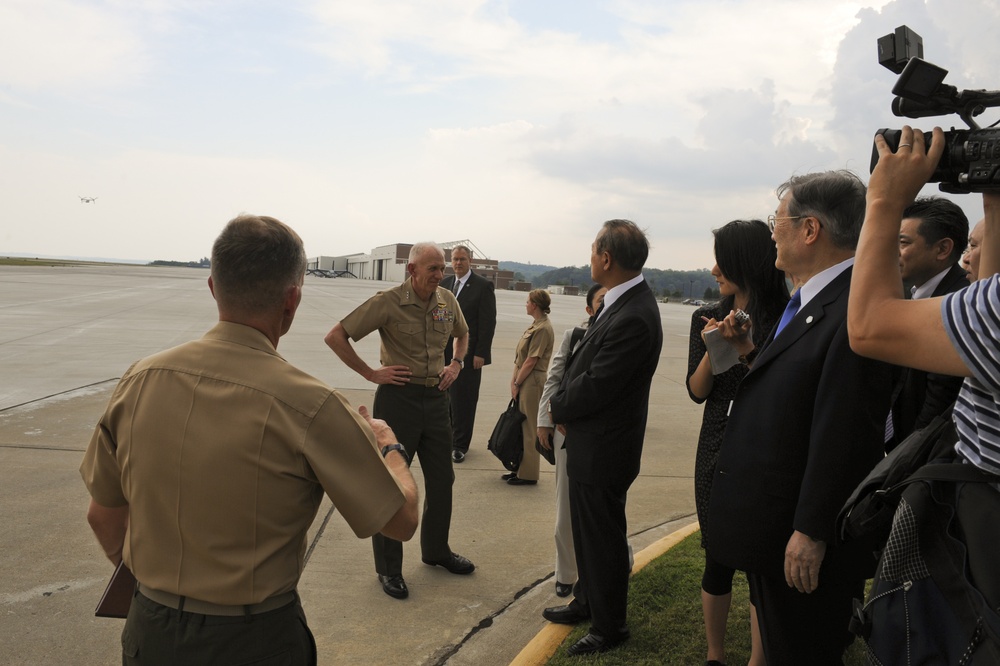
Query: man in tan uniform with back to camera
column 210, row 463
column 414, row 321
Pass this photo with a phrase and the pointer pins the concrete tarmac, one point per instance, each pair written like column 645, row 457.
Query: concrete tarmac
column 67, row 333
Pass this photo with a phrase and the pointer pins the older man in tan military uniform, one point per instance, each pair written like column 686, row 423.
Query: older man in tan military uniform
column 210, row 463
column 414, row 321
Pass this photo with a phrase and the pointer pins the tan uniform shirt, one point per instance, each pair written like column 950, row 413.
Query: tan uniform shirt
column 538, row 341
column 413, row 332
column 222, row 451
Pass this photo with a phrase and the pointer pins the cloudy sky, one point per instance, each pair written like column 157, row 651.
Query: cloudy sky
column 518, row 124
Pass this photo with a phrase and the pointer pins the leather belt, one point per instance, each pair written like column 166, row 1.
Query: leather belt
column 425, row 381
column 189, row 605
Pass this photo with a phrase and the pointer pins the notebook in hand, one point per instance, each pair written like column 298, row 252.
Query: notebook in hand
column 117, row 595
column 721, row 354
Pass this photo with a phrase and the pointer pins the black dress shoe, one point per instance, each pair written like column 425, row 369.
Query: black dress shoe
column 518, row 481
column 457, row 456
column 568, row 614
column 593, row 643
column 394, row 586
column 562, row 589
column 714, row 662
column 508, row 476
column 456, row 564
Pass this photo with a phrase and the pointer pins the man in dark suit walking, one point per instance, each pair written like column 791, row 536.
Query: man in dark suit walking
column 807, row 424
column 603, row 401
column 932, row 239
column 479, row 305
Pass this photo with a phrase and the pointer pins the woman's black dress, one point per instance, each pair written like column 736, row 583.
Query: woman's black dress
column 713, row 425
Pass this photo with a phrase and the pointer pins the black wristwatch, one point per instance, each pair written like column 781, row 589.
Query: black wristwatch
column 747, row 359
column 461, row 363
column 396, row 447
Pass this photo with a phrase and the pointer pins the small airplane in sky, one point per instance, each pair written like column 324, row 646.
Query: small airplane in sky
column 88, row 199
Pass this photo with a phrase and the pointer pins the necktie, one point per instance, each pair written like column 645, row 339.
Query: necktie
column 794, row 303
column 456, row 287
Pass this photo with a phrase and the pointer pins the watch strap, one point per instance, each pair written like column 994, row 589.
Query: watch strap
column 396, row 447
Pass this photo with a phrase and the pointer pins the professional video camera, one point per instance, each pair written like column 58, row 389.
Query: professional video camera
column 971, row 159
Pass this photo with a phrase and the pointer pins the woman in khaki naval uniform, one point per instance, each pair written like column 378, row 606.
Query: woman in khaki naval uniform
column 531, row 363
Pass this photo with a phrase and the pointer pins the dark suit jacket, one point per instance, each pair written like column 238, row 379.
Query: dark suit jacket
column 479, row 306
column 603, row 399
column 920, row 396
column 806, row 426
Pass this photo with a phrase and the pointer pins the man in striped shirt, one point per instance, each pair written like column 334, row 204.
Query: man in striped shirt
column 958, row 334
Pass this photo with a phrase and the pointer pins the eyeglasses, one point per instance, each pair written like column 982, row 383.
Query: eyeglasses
column 771, row 219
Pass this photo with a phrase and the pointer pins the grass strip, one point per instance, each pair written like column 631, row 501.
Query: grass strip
column 665, row 620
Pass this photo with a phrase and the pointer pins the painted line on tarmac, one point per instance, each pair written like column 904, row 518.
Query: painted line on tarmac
column 86, row 389
column 48, row 590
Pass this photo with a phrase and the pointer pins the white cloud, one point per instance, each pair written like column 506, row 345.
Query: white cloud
column 150, row 205
column 507, row 122
column 665, row 48
column 66, row 45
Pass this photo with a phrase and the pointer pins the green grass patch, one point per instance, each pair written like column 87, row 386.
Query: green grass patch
column 665, row 620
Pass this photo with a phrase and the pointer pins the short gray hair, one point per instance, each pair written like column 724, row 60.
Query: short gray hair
column 419, row 248
column 836, row 198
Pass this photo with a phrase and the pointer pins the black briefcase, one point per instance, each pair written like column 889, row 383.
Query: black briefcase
column 506, row 442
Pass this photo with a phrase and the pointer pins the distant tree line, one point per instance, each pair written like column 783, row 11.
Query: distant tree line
column 665, row 283
column 204, row 262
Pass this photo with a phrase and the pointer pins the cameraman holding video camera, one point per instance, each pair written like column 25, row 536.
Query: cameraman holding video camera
column 957, row 334
column 954, row 334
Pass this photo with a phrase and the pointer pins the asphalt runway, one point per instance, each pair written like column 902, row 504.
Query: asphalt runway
column 67, row 333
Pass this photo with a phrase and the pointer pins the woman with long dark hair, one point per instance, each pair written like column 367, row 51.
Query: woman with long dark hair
column 748, row 281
